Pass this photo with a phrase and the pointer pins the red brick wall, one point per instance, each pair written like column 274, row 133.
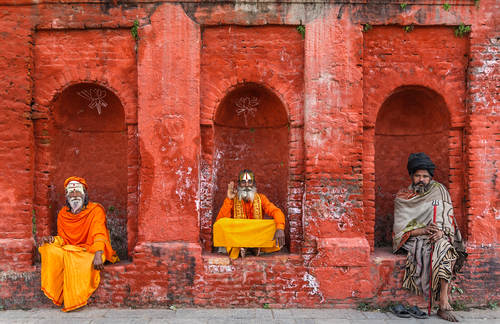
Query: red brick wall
column 483, row 128
column 414, row 96
column 171, row 83
column 412, row 120
column 74, row 139
column 94, row 146
column 265, row 63
column 169, row 129
column 16, row 138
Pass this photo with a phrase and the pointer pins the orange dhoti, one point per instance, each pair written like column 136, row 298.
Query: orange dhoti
column 68, row 274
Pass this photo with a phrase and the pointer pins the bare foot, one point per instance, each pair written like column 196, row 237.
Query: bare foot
column 255, row 251
column 243, row 252
column 447, row 315
column 444, row 303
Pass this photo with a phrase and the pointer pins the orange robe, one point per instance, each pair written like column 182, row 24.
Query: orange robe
column 227, row 211
column 68, row 272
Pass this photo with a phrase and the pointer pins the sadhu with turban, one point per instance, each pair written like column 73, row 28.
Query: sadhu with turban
column 416, row 233
column 72, row 260
column 241, row 226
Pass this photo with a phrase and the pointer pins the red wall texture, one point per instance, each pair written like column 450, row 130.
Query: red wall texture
column 414, row 93
column 259, row 68
column 327, row 126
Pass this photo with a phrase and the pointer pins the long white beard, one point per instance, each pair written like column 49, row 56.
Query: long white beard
column 76, row 204
column 247, row 194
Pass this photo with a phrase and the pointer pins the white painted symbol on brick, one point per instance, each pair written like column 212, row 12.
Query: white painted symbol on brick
column 247, row 106
column 96, row 98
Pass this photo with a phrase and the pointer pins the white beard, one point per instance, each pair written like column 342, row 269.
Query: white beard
column 76, row 204
column 247, row 194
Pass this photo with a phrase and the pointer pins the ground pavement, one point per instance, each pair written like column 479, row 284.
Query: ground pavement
column 92, row 315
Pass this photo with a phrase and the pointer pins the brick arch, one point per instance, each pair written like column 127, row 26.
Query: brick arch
column 411, row 119
column 77, row 139
column 211, row 105
column 259, row 58
column 376, row 97
column 262, row 143
column 253, row 96
column 46, row 97
column 270, row 56
column 384, row 162
column 109, row 59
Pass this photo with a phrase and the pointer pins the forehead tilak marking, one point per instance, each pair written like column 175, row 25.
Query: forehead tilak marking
column 246, row 176
column 74, row 186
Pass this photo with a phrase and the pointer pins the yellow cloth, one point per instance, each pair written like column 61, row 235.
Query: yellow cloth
column 228, row 211
column 234, row 234
column 68, row 274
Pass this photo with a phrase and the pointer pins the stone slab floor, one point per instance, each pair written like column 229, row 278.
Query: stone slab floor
column 87, row 315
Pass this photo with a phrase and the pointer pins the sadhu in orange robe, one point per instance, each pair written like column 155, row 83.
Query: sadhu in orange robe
column 68, row 272
column 240, row 224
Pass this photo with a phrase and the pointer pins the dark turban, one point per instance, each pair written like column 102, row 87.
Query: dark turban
column 420, row 161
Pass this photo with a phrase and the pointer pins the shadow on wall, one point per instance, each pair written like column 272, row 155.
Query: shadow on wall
column 251, row 132
column 411, row 119
column 89, row 140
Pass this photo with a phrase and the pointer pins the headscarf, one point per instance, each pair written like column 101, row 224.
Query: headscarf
column 420, row 161
column 76, row 179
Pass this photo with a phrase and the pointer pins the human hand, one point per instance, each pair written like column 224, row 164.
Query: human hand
column 436, row 236
column 231, row 192
column 98, row 264
column 46, row 239
column 279, row 236
column 430, row 229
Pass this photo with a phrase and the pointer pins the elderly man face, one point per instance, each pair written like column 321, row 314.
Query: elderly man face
column 421, row 180
column 75, row 196
column 246, row 188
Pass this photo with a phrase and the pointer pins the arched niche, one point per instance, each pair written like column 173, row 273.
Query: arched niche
column 89, row 139
column 251, row 132
column 411, row 119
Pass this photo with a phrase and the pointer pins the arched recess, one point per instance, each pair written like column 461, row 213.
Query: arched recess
column 86, row 136
column 411, row 119
column 251, row 131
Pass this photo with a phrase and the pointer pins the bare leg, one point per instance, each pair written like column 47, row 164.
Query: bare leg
column 444, row 303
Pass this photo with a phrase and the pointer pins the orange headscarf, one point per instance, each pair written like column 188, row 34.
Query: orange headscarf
column 76, row 179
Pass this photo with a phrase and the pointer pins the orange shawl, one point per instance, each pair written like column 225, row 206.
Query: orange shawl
column 87, row 230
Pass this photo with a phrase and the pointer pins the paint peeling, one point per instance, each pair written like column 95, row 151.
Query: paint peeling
column 314, row 284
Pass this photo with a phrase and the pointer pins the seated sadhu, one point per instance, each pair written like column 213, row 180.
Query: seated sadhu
column 240, row 225
column 424, row 226
column 72, row 260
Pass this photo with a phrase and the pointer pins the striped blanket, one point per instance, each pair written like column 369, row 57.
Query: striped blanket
column 413, row 211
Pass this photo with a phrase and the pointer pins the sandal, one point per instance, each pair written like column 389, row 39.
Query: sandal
column 417, row 313
column 400, row 311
